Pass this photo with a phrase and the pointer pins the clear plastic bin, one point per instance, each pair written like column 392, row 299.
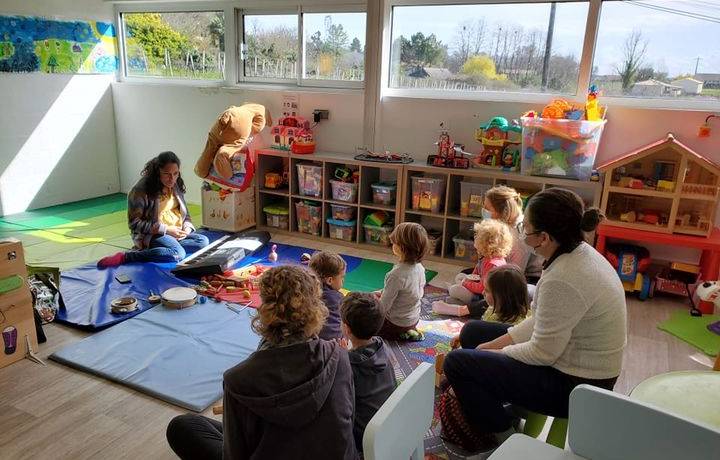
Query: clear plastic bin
column 344, row 191
column 472, row 196
column 464, row 248
column 309, row 179
column 277, row 216
column 342, row 212
column 384, row 193
column 428, row 193
column 434, row 238
column 341, row 229
column 559, row 148
column 377, row 235
column 309, row 217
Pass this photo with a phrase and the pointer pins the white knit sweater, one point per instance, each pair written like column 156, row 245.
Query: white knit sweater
column 578, row 325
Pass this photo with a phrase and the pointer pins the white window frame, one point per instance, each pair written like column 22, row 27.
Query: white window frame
column 182, row 7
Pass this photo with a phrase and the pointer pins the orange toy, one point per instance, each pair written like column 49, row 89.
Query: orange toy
column 556, row 109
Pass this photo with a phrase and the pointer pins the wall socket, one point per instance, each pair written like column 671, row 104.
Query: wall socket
column 320, row 114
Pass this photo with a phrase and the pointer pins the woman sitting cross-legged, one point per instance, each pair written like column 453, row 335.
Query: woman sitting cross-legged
column 576, row 333
column 158, row 216
column 292, row 398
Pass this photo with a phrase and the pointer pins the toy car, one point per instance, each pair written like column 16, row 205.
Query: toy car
column 631, row 263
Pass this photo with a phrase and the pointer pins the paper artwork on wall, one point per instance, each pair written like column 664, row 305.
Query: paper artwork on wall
column 34, row 44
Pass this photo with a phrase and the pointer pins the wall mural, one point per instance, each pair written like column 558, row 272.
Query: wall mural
column 33, row 44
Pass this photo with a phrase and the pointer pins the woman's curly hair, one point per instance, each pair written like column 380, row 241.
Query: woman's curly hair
column 291, row 306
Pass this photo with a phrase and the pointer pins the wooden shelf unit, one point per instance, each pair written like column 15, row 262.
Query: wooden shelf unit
column 448, row 221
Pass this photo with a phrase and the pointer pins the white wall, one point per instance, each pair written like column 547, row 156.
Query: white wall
column 152, row 118
column 56, row 118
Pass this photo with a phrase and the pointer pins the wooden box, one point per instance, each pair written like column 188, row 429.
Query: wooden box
column 229, row 211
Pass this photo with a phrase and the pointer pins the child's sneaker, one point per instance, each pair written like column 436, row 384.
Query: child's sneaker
column 413, row 335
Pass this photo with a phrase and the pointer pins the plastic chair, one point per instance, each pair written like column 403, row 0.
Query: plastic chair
column 398, row 428
column 534, row 424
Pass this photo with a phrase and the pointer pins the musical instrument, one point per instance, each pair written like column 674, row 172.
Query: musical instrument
column 221, row 255
column 179, row 297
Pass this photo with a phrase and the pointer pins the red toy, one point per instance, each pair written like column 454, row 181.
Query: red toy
column 449, row 153
column 631, row 263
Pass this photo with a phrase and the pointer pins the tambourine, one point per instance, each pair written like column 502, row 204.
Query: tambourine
column 179, row 297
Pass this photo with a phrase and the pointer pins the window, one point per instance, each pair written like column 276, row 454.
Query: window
column 330, row 52
column 334, row 46
column 186, row 45
column 669, row 50
column 530, row 47
column 270, row 46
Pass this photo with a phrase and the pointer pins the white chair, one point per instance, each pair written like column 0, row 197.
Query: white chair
column 610, row 426
column 398, row 428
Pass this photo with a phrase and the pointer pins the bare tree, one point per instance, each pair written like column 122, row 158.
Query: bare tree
column 469, row 41
column 633, row 54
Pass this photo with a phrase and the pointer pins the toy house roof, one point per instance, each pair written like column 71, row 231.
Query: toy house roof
column 649, row 149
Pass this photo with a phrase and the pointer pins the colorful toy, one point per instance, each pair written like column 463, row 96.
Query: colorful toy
column 383, row 157
column 500, row 145
column 675, row 279
column 592, row 110
column 631, row 262
column 557, row 109
column 709, row 291
column 273, row 257
column 305, row 258
column 377, row 218
column 449, row 154
column 274, row 180
column 594, row 176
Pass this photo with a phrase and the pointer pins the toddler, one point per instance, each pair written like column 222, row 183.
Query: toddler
column 399, row 300
column 330, row 269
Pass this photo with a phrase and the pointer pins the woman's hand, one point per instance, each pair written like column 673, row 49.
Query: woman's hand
column 497, row 344
column 176, row 232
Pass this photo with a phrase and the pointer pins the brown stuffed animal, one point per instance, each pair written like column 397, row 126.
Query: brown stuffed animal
column 229, row 135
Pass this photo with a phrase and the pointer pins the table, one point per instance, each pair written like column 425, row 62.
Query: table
column 710, row 246
column 520, row 446
column 691, row 394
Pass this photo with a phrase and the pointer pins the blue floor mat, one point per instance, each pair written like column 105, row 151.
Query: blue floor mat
column 178, row 356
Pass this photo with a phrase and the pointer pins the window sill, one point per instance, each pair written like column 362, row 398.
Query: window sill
column 239, row 87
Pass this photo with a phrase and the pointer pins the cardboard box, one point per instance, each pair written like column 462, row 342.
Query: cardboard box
column 229, row 211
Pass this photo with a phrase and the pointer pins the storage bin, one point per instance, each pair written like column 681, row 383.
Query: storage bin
column 309, row 217
column 277, row 216
column 377, row 235
column 428, row 193
column 434, row 237
column 559, row 147
column 344, row 191
column 384, row 193
column 309, row 179
column 472, row 196
column 464, row 247
column 342, row 212
column 341, row 229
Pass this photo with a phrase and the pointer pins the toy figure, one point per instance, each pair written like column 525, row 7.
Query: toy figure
column 449, row 153
column 273, row 257
column 496, row 137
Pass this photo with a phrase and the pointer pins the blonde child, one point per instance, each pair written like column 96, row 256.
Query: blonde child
column 493, row 242
column 399, row 301
column 330, row 269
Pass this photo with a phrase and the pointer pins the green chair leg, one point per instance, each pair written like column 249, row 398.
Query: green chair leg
column 558, row 433
column 534, row 424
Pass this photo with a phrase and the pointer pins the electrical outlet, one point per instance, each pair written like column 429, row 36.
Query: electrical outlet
column 320, row 114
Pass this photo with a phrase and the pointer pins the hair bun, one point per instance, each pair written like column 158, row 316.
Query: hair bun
column 591, row 218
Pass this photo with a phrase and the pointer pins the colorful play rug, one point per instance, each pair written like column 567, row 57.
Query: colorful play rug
column 693, row 330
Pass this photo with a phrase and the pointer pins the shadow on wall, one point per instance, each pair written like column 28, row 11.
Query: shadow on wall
column 57, row 143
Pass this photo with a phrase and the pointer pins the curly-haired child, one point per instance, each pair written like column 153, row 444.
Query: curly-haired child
column 294, row 394
column 405, row 284
column 493, row 242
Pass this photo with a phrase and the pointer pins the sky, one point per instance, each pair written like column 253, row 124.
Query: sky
column 353, row 23
column 674, row 41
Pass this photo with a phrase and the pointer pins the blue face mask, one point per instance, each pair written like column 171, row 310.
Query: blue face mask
column 486, row 214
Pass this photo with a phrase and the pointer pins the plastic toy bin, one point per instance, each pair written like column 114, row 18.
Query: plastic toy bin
column 378, row 235
column 428, row 193
column 464, row 248
column 277, row 216
column 384, row 193
column 472, row 196
column 434, row 238
column 341, row 229
column 559, row 147
column 309, row 179
column 309, row 217
column 342, row 212
column 344, row 191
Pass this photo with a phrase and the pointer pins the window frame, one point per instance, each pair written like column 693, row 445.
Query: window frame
column 184, row 7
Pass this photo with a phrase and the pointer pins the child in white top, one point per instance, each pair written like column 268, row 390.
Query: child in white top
column 399, row 301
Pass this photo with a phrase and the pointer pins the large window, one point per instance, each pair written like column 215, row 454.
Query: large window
column 270, row 48
column 186, row 45
column 531, row 47
column 659, row 49
column 334, row 46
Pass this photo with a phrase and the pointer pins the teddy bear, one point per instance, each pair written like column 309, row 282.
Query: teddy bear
column 228, row 136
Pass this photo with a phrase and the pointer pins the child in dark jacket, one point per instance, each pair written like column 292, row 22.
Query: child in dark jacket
column 372, row 372
column 330, row 268
column 292, row 398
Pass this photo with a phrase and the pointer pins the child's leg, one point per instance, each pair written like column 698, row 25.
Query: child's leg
column 460, row 277
column 460, row 292
column 195, row 436
column 390, row 331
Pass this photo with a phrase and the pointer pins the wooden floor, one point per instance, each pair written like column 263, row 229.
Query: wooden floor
column 54, row 412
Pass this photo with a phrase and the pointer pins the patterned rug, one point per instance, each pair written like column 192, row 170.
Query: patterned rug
column 406, row 356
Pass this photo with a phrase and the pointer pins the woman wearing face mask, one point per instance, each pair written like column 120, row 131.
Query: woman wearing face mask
column 158, row 216
column 576, row 333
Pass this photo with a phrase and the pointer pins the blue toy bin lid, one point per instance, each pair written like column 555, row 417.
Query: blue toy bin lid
column 342, row 223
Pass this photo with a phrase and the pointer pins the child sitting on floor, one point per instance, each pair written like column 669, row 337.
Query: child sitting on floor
column 372, row 372
column 330, row 268
column 493, row 242
column 399, row 300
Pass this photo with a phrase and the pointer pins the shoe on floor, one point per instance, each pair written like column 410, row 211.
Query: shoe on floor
column 112, row 261
column 413, row 335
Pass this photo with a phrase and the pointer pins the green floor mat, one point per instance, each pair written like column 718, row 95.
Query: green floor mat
column 370, row 276
column 693, row 330
column 71, row 258
column 64, row 213
column 24, row 234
